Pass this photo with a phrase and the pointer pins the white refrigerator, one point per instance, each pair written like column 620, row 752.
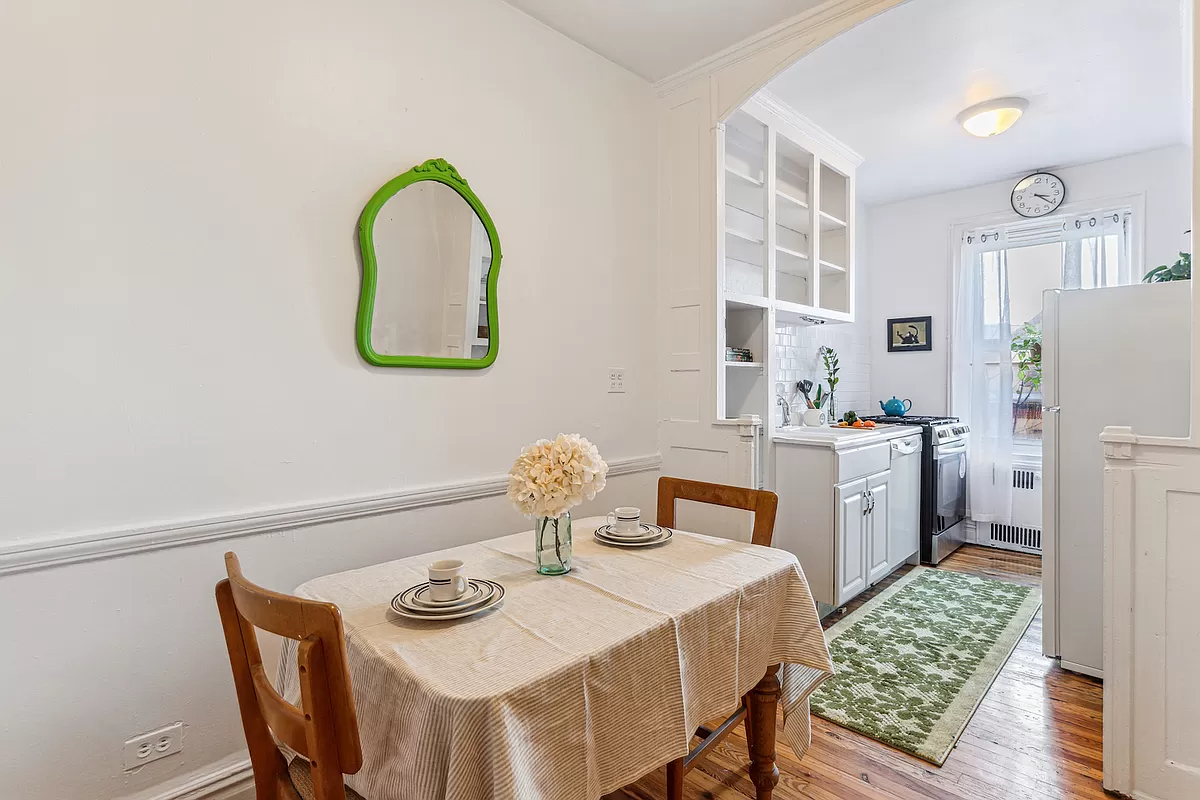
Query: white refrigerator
column 1114, row 356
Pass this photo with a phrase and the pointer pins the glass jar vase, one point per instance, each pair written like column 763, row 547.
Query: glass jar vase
column 552, row 544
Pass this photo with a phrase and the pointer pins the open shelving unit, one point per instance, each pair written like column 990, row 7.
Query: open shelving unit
column 786, row 243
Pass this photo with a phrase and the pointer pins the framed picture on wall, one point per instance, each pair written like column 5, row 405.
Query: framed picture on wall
column 906, row 334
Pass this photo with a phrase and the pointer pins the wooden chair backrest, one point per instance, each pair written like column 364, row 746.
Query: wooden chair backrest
column 762, row 504
column 325, row 728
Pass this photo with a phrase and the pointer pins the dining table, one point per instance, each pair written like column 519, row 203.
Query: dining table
column 574, row 685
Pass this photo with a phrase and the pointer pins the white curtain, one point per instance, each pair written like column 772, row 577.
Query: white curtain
column 982, row 376
column 1096, row 251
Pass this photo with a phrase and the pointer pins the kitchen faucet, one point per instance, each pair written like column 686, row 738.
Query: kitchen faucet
column 782, row 402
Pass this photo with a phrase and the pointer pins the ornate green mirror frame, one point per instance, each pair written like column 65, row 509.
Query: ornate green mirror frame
column 440, row 171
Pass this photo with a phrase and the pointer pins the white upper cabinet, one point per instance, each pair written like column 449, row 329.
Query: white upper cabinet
column 785, row 250
column 745, row 210
column 787, row 216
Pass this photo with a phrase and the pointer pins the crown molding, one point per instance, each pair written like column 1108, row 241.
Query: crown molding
column 54, row 551
column 771, row 102
column 829, row 14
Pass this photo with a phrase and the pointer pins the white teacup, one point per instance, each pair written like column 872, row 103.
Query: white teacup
column 626, row 520
column 447, row 580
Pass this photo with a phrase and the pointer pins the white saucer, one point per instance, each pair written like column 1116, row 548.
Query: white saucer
column 664, row 536
column 645, row 531
column 425, row 617
column 476, row 592
column 481, row 591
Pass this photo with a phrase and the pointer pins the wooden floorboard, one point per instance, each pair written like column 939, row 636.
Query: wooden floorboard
column 1036, row 735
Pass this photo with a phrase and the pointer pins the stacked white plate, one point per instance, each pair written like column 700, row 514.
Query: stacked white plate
column 645, row 535
column 415, row 602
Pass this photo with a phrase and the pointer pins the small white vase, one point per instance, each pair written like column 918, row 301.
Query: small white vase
column 815, row 418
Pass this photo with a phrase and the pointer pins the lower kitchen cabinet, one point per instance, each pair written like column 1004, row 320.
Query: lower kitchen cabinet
column 863, row 541
column 877, row 529
column 850, row 561
column 836, row 514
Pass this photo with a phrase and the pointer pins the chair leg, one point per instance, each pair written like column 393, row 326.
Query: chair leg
column 749, row 727
column 675, row 779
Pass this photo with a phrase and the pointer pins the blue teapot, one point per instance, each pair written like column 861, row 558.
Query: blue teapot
column 896, row 408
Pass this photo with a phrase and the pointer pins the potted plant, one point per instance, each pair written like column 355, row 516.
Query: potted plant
column 1181, row 270
column 829, row 358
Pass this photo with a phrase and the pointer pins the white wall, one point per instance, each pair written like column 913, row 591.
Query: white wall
column 178, row 286
column 909, row 250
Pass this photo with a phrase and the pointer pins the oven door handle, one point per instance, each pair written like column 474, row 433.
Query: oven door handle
column 949, row 450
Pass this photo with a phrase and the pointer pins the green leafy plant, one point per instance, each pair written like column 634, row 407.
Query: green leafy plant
column 1027, row 359
column 829, row 357
column 1181, row 270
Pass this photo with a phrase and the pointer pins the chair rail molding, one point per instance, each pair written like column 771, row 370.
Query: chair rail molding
column 231, row 778
column 60, row 550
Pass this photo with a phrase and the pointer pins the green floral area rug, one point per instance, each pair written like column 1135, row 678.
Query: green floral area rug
column 913, row 663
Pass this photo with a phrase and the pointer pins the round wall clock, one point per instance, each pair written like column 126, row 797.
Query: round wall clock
column 1038, row 194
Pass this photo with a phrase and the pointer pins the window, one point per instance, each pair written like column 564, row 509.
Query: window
column 1017, row 265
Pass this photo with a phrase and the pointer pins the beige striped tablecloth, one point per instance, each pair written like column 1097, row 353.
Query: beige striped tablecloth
column 574, row 686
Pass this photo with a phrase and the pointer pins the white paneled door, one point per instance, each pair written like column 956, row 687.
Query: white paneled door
column 1152, row 636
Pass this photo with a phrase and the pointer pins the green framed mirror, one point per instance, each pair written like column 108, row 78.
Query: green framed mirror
column 431, row 260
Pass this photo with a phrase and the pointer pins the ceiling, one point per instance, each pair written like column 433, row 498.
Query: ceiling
column 657, row 38
column 1103, row 77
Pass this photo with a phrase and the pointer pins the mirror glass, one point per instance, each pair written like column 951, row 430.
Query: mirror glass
column 433, row 256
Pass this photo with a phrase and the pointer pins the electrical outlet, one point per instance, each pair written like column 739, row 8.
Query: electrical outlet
column 151, row 746
column 616, row 381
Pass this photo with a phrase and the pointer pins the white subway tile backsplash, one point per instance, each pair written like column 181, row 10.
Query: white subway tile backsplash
column 797, row 358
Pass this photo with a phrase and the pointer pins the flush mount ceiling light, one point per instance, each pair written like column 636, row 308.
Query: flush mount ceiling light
column 992, row 117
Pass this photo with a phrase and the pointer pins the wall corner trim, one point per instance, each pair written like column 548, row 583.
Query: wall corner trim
column 60, row 550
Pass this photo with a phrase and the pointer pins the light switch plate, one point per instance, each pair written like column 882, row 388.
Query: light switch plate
column 616, row 380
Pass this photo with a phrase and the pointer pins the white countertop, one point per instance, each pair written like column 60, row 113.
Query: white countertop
column 842, row 438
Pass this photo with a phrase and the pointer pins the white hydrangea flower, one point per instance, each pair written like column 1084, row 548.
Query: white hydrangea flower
column 550, row 478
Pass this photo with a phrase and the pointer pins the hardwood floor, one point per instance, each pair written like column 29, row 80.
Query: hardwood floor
column 1036, row 735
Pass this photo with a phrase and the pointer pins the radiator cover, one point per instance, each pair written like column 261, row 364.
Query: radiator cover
column 1024, row 534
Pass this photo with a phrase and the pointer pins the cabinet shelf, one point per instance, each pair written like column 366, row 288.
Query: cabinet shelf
column 790, row 200
column 745, row 237
column 745, row 364
column 829, row 268
column 737, row 300
column 743, row 177
column 831, row 223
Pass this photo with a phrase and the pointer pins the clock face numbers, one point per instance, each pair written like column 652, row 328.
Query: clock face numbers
column 1038, row 195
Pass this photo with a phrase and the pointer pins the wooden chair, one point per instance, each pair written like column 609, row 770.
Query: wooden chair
column 325, row 728
column 763, row 505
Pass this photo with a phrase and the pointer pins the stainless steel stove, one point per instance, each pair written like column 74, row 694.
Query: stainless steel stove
column 943, row 482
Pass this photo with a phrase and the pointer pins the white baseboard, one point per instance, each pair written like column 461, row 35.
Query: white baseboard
column 52, row 551
column 229, row 779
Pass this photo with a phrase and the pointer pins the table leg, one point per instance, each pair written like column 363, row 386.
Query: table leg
column 764, row 702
